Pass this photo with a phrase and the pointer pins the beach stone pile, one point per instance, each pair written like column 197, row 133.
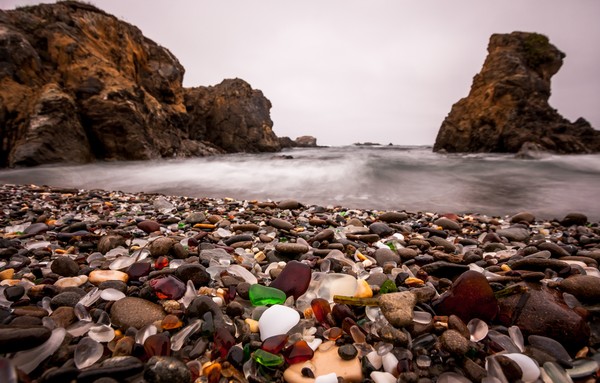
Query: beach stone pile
column 101, row 286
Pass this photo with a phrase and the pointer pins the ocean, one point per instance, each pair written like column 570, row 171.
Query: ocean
column 410, row 178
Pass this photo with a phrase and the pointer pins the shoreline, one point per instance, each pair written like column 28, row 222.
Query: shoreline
column 194, row 275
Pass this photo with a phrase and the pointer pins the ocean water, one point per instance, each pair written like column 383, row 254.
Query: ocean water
column 374, row 177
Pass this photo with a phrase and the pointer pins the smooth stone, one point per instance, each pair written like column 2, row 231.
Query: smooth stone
column 8, row 373
column 109, row 242
column 325, row 363
column 63, row 316
column 586, row 288
column 71, row 281
column 470, row 296
column 148, row 226
column 574, row 219
column 454, row 342
column 193, row 272
column 514, row 234
column 245, row 227
column 30, row 359
column 288, row 204
column 14, row 293
column 203, row 304
column 161, row 246
column 281, row 224
column 347, row 352
column 384, row 255
column 65, row 266
column 135, row 312
column 68, row 298
column 277, row 320
column 195, row 217
column 398, row 307
column 541, row 311
column 166, row 369
column 407, row 253
column 13, row 339
column 539, row 264
column 36, row 228
column 98, row 276
column 437, row 241
column 294, row 279
column 554, row 249
column 523, row 216
column 117, row 285
column 119, row 368
column 381, row 229
column 448, row 224
column 291, row 248
column 393, row 217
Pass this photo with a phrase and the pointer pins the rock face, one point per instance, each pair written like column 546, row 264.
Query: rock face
column 508, row 108
column 299, row 142
column 77, row 84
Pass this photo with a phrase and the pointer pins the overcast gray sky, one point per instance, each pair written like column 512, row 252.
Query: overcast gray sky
column 350, row 71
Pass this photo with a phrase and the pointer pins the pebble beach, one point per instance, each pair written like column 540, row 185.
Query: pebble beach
column 108, row 286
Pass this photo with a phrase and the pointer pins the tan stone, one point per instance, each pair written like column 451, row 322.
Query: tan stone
column 71, row 281
column 7, row 274
column 98, row 276
column 323, row 363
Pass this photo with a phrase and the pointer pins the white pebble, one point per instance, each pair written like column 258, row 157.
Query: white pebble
column 390, row 363
column 277, row 320
column 382, row 377
column 111, row 294
column 375, row 359
column 327, row 378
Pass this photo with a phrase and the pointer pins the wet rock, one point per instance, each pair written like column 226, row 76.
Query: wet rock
column 541, row 311
column 447, row 246
column 281, row 224
column 570, row 219
column 381, row 229
column 523, row 216
column 586, row 288
column 109, row 242
column 398, row 307
column 384, row 255
column 291, row 248
column 161, row 246
column 13, row 339
column 514, row 234
column 448, row 224
column 65, row 267
column 393, row 217
column 148, row 226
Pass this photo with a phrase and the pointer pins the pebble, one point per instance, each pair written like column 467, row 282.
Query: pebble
column 135, row 312
column 444, row 293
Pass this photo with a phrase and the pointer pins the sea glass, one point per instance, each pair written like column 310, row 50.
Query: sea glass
column 274, row 344
column 293, row 279
column 321, row 309
column 263, row 295
column 223, row 341
column 28, row 360
column 138, row 270
column 157, row 345
column 267, row 359
column 179, row 339
column 298, row 352
column 168, row 287
column 87, row 352
column 276, row 320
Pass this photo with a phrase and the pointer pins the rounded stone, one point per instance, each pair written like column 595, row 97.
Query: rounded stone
column 574, row 219
column 117, row 285
column 447, row 224
column 288, row 204
column 291, row 248
column 166, row 369
column 393, row 217
column 109, row 242
column 523, row 216
column 161, row 246
column 193, row 272
column 281, row 224
column 135, row 312
column 96, row 277
column 13, row 339
column 14, row 293
column 347, row 352
column 584, row 287
column 68, row 298
column 515, row 234
column 195, row 217
column 384, row 255
column 381, row 229
column 398, row 307
column 65, row 267
column 148, row 226
column 454, row 342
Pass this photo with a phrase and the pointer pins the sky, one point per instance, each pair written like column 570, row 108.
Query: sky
column 346, row 71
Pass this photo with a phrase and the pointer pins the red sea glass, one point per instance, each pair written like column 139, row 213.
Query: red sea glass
column 161, row 262
column 470, row 296
column 138, row 270
column 168, row 287
column 321, row 309
column 293, row 279
column 274, row 344
column 157, row 345
column 223, row 341
column 298, row 352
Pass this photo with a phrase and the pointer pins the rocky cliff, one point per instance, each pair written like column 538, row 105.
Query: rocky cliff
column 507, row 106
column 77, row 84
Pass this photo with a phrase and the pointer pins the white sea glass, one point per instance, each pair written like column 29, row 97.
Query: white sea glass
column 111, row 294
column 28, row 360
column 87, row 352
column 277, row 320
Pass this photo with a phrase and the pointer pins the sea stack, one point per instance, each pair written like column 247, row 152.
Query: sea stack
column 78, row 85
column 507, row 108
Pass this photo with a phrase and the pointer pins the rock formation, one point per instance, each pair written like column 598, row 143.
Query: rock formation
column 508, row 108
column 299, row 142
column 77, row 84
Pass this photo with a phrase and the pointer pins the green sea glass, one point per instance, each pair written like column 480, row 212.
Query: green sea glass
column 267, row 359
column 263, row 295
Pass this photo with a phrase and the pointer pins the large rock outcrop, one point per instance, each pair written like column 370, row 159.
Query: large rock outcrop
column 77, row 84
column 508, row 108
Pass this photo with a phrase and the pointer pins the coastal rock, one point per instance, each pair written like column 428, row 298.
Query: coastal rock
column 78, row 73
column 507, row 106
column 539, row 310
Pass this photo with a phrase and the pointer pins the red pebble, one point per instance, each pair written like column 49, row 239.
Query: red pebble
column 275, row 343
column 298, row 352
